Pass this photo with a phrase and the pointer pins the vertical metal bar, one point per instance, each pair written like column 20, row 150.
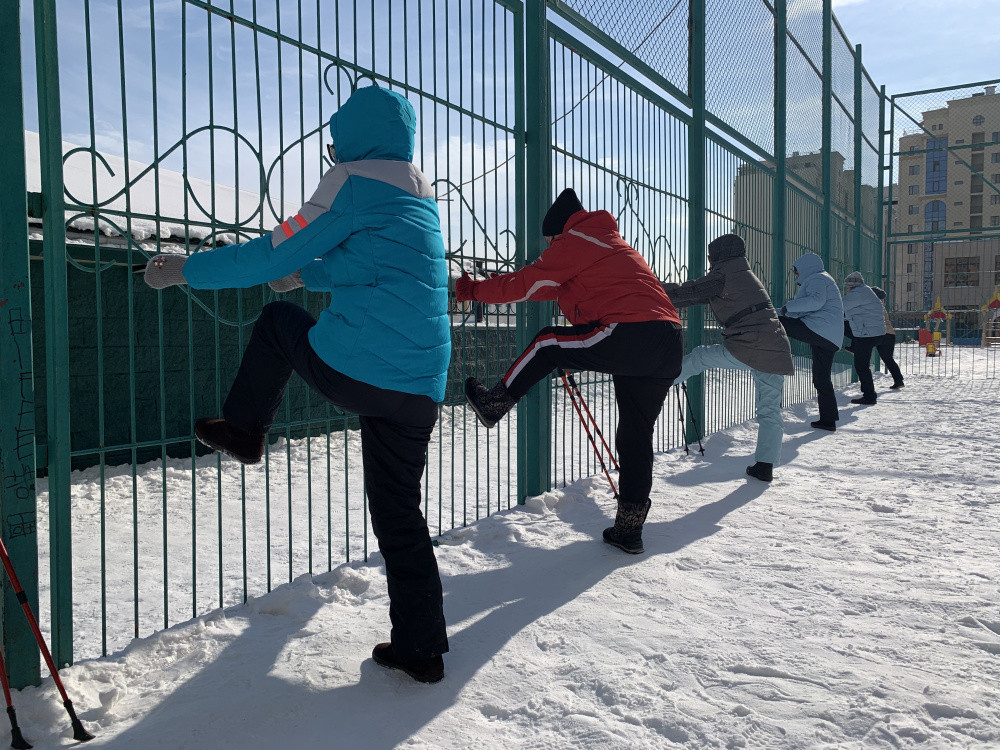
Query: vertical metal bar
column 779, row 187
column 858, row 146
column 534, row 419
column 826, row 239
column 56, row 330
column 883, row 214
column 17, row 396
column 696, row 201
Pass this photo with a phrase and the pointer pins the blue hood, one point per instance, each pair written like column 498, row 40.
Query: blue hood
column 807, row 265
column 374, row 123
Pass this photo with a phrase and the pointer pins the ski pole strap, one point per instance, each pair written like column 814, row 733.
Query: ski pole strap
column 738, row 316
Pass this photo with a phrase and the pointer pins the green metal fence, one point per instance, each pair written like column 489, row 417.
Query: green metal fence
column 179, row 127
column 943, row 242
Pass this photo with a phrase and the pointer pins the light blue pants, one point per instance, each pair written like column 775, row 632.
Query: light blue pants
column 770, row 427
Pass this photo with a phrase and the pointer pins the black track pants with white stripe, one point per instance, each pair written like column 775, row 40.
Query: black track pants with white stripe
column 643, row 358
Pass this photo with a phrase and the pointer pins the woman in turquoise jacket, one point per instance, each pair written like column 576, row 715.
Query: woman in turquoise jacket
column 371, row 236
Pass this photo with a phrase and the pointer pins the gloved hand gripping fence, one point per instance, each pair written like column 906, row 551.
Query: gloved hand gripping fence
column 17, row 740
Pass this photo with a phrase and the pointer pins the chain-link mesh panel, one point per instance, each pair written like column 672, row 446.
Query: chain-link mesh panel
column 804, row 120
column 870, row 201
column 871, row 106
column 805, row 26
column 655, row 31
column 841, row 249
column 842, row 159
column 739, row 63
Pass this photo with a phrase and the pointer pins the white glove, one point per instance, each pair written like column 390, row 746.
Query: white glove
column 287, row 283
column 165, row 270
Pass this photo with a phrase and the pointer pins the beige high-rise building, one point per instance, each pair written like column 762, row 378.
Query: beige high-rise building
column 941, row 190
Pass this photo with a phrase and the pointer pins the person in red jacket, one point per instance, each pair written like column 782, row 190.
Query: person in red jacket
column 623, row 324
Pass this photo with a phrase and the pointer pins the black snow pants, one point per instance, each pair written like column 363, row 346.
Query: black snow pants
column 395, row 430
column 642, row 358
column 822, row 366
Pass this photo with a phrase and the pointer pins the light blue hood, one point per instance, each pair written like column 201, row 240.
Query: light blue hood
column 374, row 123
column 807, row 265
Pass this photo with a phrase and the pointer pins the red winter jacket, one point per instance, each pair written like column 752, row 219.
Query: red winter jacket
column 594, row 275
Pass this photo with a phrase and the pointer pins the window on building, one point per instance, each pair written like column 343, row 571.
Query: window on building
column 977, row 162
column 934, row 216
column 975, row 204
column 914, row 189
column 909, row 286
column 911, row 249
column 909, row 268
column 976, row 186
column 995, row 200
column 996, row 136
column 995, row 158
column 996, row 271
column 909, row 228
column 959, row 141
column 914, row 209
column 915, row 169
column 976, row 222
column 936, row 186
column 959, row 203
column 995, row 221
column 978, row 120
column 957, row 224
column 959, row 182
column 995, row 178
column 978, row 138
column 961, row 271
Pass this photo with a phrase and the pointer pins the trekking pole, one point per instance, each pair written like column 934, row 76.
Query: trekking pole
column 16, row 738
column 693, row 420
column 79, row 733
column 600, row 458
column 680, row 416
column 597, row 427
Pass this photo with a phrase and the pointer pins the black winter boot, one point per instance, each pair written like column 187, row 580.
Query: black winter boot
column 490, row 404
column 864, row 400
column 761, row 470
column 626, row 534
column 221, row 436
column 829, row 426
column 421, row 670
column 895, row 386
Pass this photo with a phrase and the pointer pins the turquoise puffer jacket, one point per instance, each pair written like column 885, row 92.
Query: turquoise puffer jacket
column 370, row 235
column 817, row 303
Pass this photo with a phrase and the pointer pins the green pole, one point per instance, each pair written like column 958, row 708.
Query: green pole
column 826, row 240
column 883, row 215
column 56, row 330
column 858, row 144
column 696, row 202
column 534, row 415
column 17, row 395
column 778, row 269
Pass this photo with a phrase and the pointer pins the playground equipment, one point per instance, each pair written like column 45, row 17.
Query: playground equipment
column 991, row 319
column 935, row 318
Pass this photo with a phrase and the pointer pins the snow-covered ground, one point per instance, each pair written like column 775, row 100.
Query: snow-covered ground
column 852, row 603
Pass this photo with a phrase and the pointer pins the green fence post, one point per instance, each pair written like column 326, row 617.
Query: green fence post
column 883, row 215
column 534, row 413
column 826, row 238
column 858, row 143
column 696, row 202
column 778, row 229
column 17, row 395
column 56, row 330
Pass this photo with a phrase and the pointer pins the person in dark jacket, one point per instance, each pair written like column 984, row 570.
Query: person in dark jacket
column 753, row 339
column 816, row 316
column 864, row 323
column 371, row 235
column 622, row 324
column 887, row 346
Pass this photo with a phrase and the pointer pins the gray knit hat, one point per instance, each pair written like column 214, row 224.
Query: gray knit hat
column 853, row 280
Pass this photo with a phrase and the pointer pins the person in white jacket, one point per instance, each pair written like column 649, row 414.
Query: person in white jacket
column 864, row 322
column 816, row 317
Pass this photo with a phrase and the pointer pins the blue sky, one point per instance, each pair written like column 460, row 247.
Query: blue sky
column 910, row 45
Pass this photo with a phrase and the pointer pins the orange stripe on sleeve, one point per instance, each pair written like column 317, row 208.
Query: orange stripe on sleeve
column 286, row 229
column 302, row 222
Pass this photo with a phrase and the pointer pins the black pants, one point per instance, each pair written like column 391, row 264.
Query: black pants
column 885, row 348
column 643, row 360
column 863, row 347
column 395, row 430
column 822, row 365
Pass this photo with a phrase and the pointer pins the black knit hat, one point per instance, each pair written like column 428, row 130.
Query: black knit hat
column 725, row 247
column 556, row 217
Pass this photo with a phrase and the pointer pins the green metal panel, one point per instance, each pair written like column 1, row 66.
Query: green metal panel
column 778, row 220
column 534, row 410
column 882, row 216
column 57, row 332
column 17, row 400
column 696, row 205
